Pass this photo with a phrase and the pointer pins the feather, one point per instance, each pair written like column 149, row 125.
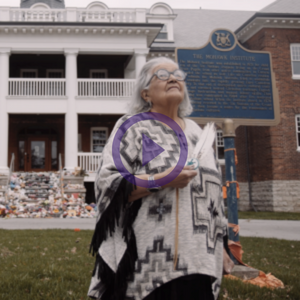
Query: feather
column 206, row 141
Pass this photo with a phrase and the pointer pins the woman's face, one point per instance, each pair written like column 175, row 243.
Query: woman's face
column 165, row 94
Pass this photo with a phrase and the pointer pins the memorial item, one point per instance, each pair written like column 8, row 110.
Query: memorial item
column 38, row 195
column 203, row 145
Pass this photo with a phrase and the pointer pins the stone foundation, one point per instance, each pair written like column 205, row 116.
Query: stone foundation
column 243, row 202
column 275, row 195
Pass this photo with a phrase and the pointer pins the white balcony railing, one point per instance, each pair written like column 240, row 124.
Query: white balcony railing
column 28, row 15
column 73, row 15
column 36, row 87
column 89, row 161
column 105, row 87
column 107, row 16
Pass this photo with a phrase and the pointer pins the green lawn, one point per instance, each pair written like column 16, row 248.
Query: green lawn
column 55, row 264
column 265, row 215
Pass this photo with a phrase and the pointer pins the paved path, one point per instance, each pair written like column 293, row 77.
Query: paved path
column 288, row 230
column 47, row 223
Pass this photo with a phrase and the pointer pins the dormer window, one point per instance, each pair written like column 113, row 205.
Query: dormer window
column 162, row 13
column 163, row 35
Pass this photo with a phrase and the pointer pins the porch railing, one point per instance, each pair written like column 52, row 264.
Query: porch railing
column 105, row 87
column 73, row 15
column 39, row 87
column 28, row 15
column 89, row 161
column 107, row 16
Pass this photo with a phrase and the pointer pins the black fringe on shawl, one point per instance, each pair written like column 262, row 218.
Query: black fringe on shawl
column 116, row 283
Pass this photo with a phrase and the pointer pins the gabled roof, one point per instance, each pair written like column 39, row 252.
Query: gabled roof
column 283, row 6
column 192, row 27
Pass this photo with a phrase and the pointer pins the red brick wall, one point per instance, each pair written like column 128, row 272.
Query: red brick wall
column 273, row 152
column 240, row 145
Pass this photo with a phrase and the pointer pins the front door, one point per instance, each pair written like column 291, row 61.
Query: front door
column 38, row 159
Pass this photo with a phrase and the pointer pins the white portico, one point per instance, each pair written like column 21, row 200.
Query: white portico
column 72, row 64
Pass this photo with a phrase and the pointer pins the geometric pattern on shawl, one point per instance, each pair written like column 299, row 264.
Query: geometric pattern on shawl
column 158, row 260
column 157, row 132
column 207, row 208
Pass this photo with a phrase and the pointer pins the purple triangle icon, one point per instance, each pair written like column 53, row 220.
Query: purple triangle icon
column 150, row 149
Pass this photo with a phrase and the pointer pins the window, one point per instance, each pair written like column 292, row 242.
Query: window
column 98, row 139
column 220, row 147
column 29, row 73
column 163, row 35
column 55, row 73
column 98, row 73
column 295, row 56
column 298, row 131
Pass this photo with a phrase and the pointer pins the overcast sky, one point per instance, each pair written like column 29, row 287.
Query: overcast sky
column 254, row 5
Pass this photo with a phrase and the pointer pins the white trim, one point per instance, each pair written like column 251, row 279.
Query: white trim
column 56, row 71
column 250, row 29
column 294, row 76
column 164, row 6
column 221, row 161
column 28, row 70
column 96, row 4
column 91, row 135
column 297, row 131
column 40, row 5
column 98, row 71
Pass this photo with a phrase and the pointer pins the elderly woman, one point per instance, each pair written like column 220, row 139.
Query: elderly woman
column 148, row 244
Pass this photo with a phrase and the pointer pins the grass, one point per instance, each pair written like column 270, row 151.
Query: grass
column 279, row 257
column 266, row 215
column 44, row 264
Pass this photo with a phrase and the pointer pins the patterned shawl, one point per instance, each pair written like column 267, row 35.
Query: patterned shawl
column 134, row 242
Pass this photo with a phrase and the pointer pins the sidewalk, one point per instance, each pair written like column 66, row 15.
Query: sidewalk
column 287, row 230
column 55, row 223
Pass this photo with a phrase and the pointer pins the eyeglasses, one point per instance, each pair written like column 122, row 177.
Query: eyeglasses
column 164, row 75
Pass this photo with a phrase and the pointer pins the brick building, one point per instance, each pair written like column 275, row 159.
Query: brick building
column 67, row 75
column 274, row 152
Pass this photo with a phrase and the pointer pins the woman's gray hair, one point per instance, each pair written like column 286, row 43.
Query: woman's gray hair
column 138, row 104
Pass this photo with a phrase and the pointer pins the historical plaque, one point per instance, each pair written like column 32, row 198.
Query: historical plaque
column 227, row 81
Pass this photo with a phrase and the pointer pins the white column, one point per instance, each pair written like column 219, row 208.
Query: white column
column 4, row 75
column 140, row 60
column 71, row 118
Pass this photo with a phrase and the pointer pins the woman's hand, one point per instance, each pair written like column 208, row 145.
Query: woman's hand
column 182, row 180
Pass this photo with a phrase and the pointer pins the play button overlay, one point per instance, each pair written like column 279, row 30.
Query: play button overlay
column 150, row 149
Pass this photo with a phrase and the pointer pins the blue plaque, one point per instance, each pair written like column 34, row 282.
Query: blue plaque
column 227, row 81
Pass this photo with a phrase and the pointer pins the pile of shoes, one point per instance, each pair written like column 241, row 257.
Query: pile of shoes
column 42, row 195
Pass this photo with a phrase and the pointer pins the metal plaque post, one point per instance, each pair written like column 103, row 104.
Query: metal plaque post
column 231, row 183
